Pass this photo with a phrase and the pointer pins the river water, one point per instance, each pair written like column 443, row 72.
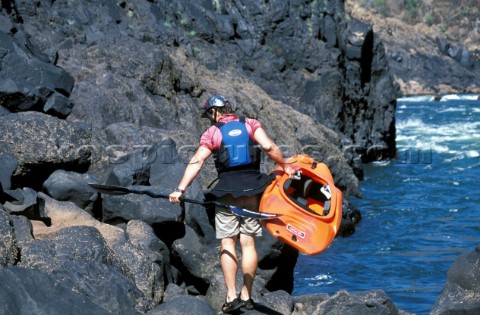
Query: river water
column 419, row 212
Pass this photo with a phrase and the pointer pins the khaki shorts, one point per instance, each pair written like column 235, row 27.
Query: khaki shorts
column 228, row 225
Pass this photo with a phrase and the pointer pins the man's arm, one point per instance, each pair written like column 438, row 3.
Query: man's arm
column 272, row 150
column 192, row 170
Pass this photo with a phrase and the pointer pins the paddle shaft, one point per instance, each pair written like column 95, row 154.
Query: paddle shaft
column 165, row 196
column 120, row 190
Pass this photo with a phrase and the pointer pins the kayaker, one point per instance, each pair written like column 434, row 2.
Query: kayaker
column 234, row 141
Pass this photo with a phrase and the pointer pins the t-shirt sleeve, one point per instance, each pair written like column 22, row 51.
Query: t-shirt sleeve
column 252, row 125
column 210, row 138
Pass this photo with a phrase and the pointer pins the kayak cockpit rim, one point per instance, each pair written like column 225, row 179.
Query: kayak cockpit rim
column 310, row 194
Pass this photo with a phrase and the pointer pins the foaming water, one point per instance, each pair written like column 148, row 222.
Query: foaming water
column 419, row 212
column 450, row 127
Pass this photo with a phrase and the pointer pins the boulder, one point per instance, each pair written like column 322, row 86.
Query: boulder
column 131, row 169
column 82, row 261
column 71, row 186
column 201, row 220
column 28, row 82
column 461, row 293
column 181, row 305
column 306, row 304
column 358, row 40
column 23, row 201
column 142, row 268
column 199, row 262
column 157, row 164
column 143, row 237
column 141, row 253
column 9, row 165
column 276, row 263
column 29, row 291
column 351, row 216
column 23, row 230
column 173, row 291
column 42, row 144
column 9, row 251
column 371, row 302
column 280, row 301
column 121, row 209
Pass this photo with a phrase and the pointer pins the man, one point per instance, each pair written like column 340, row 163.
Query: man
column 234, row 142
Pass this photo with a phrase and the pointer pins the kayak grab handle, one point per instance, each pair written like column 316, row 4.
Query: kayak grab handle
column 297, row 175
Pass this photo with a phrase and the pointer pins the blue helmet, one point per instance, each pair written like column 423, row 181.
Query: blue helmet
column 214, row 102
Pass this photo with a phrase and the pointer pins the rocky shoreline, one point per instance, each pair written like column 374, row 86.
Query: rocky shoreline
column 104, row 92
column 163, row 260
column 428, row 59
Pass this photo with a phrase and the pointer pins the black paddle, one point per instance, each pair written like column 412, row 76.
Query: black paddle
column 120, row 190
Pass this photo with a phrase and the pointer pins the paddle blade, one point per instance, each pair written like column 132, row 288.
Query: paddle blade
column 110, row 189
column 120, row 190
column 253, row 214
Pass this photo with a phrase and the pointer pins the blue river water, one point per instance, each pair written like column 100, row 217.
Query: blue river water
column 419, row 212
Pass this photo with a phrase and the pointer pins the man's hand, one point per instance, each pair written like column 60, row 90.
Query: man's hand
column 289, row 170
column 174, row 197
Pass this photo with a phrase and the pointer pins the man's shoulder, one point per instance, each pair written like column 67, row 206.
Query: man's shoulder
column 211, row 129
column 254, row 123
column 249, row 119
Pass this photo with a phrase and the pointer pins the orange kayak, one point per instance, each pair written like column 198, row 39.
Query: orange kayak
column 311, row 206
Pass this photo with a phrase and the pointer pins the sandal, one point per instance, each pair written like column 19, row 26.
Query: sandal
column 229, row 307
column 248, row 304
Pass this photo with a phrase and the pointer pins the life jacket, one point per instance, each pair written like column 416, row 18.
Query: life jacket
column 237, row 151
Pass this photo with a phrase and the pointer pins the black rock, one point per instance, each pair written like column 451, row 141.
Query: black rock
column 459, row 295
column 183, row 305
column 80, row 259
column 42, row 144
column 28, row 82
column 31, row 291
column 71, row 186
column 9, row 164
column 9, row 251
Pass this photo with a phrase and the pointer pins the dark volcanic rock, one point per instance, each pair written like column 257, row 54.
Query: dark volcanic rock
column 362, row 303
column 30, row 83
column 200, row 262
column 306, row 304
column 71, row 186
column 29, row 291
column 429, row 59
column 23, row 230
column 81, row 260
column 183, row 305
column 22, row 201
column 9, row 165
column 460, row 295
column 8, row 247
column 142, row 236
column 280, row 301
column 139, row 260
column 42, row 144
column 295, row 52
column 121, row 209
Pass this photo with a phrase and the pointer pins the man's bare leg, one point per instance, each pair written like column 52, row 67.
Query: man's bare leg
column 249, row 265
column 229, row 263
